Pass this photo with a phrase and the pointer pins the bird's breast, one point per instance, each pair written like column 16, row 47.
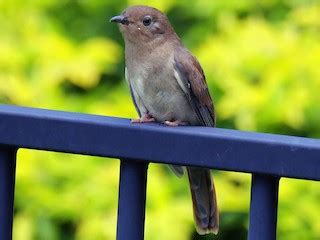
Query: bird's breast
column 161, row 94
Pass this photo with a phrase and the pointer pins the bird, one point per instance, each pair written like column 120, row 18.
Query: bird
column 168, row 85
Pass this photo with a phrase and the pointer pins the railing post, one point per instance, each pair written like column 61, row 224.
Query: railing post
column 7, row 181
column 263, row 208
column 132, row 199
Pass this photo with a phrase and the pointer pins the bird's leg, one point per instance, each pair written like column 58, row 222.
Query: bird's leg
column 145, row 118
column 175, row 123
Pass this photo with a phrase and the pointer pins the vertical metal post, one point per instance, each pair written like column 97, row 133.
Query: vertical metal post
column 263, row 208
column 132, row 200
column 7, row 181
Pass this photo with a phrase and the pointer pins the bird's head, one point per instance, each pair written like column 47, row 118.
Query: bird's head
column 142, row 24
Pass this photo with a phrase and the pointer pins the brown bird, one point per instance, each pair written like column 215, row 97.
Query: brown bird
column 168, row 85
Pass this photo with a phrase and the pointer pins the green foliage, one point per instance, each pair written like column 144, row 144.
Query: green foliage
column 261, row 61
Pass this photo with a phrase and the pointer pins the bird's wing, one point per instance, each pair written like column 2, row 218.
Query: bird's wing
column 140, row 108
column 178, row 170
column 190, row 77
column 134, row 96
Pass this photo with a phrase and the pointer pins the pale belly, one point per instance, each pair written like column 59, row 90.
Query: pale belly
column 165, row 100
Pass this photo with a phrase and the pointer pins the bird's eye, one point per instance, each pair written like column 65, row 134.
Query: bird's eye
column 146, row 21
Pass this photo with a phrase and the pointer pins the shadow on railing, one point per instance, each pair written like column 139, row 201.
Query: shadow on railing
column 268, row 157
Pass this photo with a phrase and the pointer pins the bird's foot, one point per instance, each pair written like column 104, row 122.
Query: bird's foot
column 144, row 119
column 175, row 123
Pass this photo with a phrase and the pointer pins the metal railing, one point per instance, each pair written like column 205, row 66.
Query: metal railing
column 267, row 156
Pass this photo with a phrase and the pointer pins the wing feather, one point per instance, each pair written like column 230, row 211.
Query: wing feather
column 190, row 77
column 137, row 101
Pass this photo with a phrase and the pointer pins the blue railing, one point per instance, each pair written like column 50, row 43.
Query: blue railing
column 268, row 157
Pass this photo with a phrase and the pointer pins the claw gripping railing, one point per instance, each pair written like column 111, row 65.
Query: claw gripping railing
column 268, row 157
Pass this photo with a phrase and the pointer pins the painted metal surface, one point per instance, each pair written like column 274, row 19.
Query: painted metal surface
column 216, row 148
column 7, row 182
column 263, row 208
column 267, row 156
column 132, row 200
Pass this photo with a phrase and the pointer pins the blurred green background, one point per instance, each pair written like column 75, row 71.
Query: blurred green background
column 261, row 59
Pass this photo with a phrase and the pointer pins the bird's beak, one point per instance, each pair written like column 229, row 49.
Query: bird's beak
column 120, row 19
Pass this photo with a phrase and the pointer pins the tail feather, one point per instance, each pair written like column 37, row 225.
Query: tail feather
column 204, row 200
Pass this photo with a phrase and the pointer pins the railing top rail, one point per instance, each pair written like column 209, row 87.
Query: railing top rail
column 224, row 149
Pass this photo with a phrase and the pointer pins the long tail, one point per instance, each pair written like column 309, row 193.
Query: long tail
column 205, row 210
